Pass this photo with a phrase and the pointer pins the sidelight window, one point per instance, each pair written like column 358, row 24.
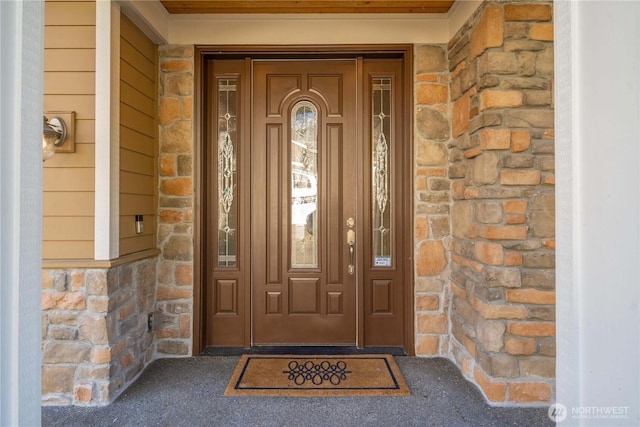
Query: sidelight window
column 381, row 123
column 227, row 187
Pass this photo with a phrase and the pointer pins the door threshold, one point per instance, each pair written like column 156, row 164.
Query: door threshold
column 302, row 350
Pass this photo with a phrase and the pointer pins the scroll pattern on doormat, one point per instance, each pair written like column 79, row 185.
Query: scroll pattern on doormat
column 317, row 373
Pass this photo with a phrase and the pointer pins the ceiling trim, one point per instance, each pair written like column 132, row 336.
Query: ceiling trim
column 306, row 6
column 309, row 29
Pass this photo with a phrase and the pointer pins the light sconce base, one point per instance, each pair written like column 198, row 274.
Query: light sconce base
column 68, row 144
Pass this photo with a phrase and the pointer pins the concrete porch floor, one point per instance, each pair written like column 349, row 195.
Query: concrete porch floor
column 190, row 392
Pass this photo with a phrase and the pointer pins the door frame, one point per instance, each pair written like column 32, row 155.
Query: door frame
column 204, row 53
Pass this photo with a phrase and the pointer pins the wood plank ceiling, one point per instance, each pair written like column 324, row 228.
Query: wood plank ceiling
column 305, row 6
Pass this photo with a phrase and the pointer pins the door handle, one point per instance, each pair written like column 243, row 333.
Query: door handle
column 351, row 241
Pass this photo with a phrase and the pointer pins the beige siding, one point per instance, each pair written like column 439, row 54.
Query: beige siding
column 70, row 13
column 66, row 228
column 69, row 179
column 69, row 204
column 69, row 85
column 70, row 59
column 135, row 141
column 72, row 37
column 138, row 136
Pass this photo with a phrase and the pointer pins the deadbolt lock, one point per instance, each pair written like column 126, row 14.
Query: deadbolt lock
column 351, row 222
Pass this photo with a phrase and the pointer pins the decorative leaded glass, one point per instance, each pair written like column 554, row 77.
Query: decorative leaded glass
column 227, row 188
column 304, row 185
column 380, row 167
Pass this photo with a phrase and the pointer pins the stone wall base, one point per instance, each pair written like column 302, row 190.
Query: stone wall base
column 535, row 392
column 95, row 337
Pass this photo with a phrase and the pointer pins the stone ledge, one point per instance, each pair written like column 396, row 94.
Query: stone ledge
column 55, row 264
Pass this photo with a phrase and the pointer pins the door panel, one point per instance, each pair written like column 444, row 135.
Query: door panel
column 304, row 188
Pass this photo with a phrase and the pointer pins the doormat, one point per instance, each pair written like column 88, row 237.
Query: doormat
column 317, row 376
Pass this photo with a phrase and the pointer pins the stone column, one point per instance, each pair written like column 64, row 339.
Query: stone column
column 432, row 204
column 175, row 197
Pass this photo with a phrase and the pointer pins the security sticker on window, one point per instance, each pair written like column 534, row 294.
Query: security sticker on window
column 382, row 262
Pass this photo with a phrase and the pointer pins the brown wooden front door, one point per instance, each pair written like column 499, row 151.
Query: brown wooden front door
column 304, row 190
column 307, row 203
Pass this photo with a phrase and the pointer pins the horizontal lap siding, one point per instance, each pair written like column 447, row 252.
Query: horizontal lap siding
column 138, row 138
column 69, row 85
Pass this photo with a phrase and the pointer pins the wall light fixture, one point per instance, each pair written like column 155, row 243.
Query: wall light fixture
column 139, row 224
column 58, row 134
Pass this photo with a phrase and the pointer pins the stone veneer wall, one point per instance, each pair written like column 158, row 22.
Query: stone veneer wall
column 175, row 197
column 95, row 339
column 502, row 173
column 432, row 131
